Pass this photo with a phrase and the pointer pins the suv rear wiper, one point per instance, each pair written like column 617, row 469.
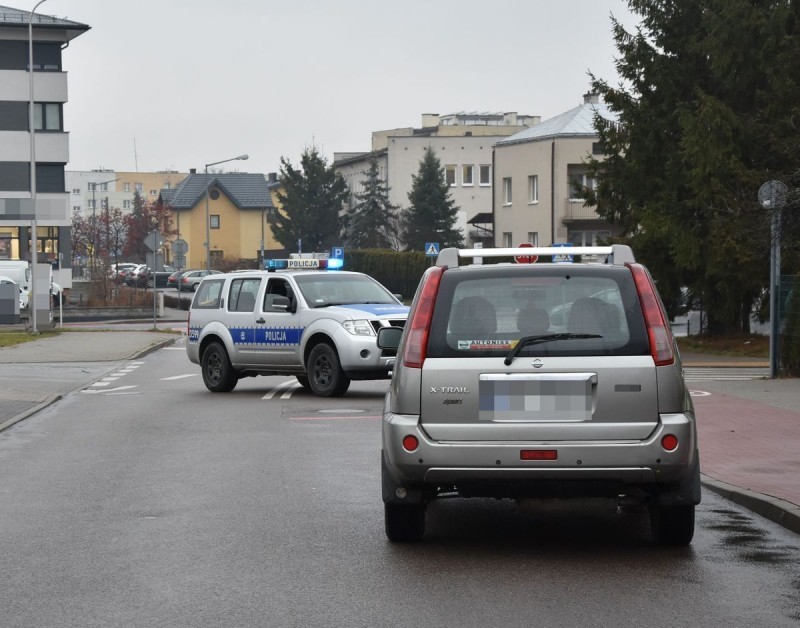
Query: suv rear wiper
column 532, row 340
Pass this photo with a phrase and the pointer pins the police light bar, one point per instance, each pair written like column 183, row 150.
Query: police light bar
column 303, row 264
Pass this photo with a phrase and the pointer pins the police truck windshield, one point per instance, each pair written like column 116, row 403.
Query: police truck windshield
column 339, row 289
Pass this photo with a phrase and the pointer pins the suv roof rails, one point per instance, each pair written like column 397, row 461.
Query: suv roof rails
column 616, row 254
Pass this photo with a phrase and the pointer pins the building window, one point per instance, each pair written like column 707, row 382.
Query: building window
column 533, row 188
column 104, row 187
column 91, row 203
column 450, row 175
column 485, row 174
column 588, row 238
column 76, row 208
column 578, row 180
column 126, row 204
column 215, row 221
column 47, row 116
column 507, row 197
column 138, row 187
column 467, row 172
column 153, row 192
column 126, row 187
column 76, row 190
column 507, row 240
column 533, row 238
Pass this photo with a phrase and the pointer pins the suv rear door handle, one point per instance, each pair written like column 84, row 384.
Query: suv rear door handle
column 260, row 321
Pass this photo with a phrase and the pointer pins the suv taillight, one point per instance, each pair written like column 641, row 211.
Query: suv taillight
column 655, row 318
column 419, row 325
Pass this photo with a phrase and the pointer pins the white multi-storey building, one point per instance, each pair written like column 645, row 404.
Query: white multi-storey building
column 463, row 144
column 51, row 145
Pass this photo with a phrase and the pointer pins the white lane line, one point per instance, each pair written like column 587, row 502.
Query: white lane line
column 110, row 390
column 334, row 418
column 174, row 348
column 101, row 384
column 279, row 388
column 290, row 390
column 167, row 379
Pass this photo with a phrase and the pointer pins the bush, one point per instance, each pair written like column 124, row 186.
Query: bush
column 400, row 272
column 790, row 341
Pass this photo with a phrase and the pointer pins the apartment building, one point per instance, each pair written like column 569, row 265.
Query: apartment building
column 536, row 174
column 463, row 144
column 89, row 189
column 48, row 203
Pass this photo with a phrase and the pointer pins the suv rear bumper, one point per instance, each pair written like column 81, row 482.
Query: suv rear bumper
column 643, row 463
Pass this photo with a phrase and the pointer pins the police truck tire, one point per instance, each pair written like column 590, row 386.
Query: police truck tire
column 325, row 375
column 218, row 374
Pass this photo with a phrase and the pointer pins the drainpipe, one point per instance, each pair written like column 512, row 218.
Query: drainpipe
column 553, row 192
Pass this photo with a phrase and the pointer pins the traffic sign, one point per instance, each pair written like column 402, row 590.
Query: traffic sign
column 337, row 252
column 153, row 241
column 431, row 249
column 180, row 247
column 525, row 259
column 562, row 259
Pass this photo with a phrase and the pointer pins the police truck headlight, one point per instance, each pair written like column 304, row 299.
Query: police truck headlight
column 359, row 328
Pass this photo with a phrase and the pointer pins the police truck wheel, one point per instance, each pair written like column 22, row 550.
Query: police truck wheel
column 218, row 374
column 325, row 375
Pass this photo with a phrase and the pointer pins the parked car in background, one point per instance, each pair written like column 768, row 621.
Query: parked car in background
column 148, row 277
column 190, row 279
column 174, row 278
column 132, row 276
column 117, row 272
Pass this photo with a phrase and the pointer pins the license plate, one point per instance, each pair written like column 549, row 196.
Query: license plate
column 523, row 397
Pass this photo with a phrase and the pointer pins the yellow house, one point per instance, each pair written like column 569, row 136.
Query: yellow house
column 229, row 210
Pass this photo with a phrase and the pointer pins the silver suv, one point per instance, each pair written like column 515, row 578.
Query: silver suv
column 317, row 325
column 542, row 380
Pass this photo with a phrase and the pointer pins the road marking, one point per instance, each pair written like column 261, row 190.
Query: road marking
column 88, row 391
column 732, row 374
column 291, row 384
column 341, row 411
column 174, row 349
column 334, row 418
column 699, row 393
column 167, row 379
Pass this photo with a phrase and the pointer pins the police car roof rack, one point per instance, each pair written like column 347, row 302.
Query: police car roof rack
column 616, row 254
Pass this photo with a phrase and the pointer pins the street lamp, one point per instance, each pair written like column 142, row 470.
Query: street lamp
column 34, row 228
column 94, row 217
column 208, row 218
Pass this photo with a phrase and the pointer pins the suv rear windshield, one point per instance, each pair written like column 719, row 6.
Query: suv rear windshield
column 484, row 312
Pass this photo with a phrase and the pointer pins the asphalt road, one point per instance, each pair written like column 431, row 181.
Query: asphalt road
column 145, row 500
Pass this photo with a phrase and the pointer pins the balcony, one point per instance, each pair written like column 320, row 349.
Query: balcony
column 574, row 209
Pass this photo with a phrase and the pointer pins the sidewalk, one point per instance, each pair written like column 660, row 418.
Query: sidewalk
column 749, row 430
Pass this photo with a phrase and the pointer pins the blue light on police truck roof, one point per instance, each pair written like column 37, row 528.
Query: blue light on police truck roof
column 304, row 264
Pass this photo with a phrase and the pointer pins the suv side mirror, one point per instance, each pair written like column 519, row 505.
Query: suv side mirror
column 389, row 337
column 281, row 303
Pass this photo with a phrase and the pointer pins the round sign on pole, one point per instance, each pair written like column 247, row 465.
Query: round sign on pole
column 525, row 259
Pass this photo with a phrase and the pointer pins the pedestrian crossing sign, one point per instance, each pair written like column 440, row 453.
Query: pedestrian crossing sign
column 431, row 249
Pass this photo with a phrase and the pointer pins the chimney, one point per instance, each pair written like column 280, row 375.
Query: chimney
column 192, row 170
column 510, row 118
column 430, row 119
column 272, row 177
column 591, row 98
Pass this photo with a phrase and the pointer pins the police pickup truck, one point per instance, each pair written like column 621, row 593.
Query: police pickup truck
column 300, row 317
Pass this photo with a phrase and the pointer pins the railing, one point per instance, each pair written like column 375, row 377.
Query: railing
column 574, row 209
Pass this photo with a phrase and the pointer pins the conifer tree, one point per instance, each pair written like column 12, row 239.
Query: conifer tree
column 310, row 201
column 706, row 103
column 369, row 223
column 432, row 214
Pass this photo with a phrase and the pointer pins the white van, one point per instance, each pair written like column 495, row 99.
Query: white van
column 17, row 270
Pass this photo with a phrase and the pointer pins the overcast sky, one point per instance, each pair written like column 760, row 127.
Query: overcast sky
column 189, row 82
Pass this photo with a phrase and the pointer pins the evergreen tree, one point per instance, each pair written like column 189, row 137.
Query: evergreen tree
column 369, row 223
column 311, row 199
column 432, row 214
column 707, row 99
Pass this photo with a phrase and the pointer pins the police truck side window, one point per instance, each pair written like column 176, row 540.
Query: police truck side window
column 242, row 297
column 208, row 295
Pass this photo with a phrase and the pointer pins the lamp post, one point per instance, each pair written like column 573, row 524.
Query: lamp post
column 34, row 228
column 208, row 218
column 94, row 218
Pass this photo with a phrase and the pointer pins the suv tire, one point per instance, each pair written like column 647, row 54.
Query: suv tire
column 325, row 375
column 672, row 525
column 303, row 381
column 404, row 523
column 218, row 374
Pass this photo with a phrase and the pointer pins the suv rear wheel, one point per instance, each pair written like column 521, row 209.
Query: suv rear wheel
column 404, row 523
column 672, row 525
column 218, row 374
column 325, row 375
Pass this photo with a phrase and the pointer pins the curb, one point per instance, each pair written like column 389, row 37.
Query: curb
column 776, row 510
column 24, row 415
